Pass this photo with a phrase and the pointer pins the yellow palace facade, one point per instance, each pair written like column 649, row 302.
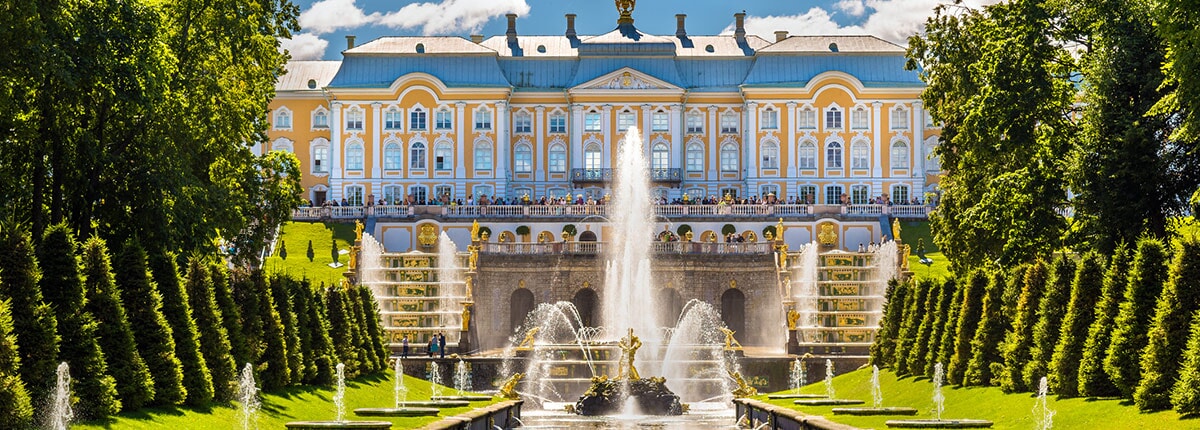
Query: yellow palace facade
column 822, row 119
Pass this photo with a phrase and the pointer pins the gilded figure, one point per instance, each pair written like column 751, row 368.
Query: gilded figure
column 509, row 389
column 629, row 346
column 730, row 342
column 792, row 318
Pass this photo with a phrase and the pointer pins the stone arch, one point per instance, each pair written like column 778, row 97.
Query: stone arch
column 587, row 236
column 588, row 305
column 519, row 305
column 670, row 305
column 733, row 310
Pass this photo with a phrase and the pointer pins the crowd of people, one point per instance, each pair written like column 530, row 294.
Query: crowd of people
column 580, row 199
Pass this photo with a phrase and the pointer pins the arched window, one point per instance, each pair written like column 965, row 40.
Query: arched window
column 283, row 119
column 523, row 159
column 770, row 155
column 860, row 156
column 442, row 156
column 591, row 156
column 900, row 194
column 733, row 310
column 519, row 305
column 833, row 119
column 833, row 155
column 899, row 155
column 416, row 156
column 729, row 158
column 354, row 156
column 354, row 195
column 558, row 158
column 899, row 118
column 585, row 303
column 483, row 156
column 860, row 119
column 391, row 157
column 807, row 152
column 393, row 194
column 695, row 157
column 660, row 158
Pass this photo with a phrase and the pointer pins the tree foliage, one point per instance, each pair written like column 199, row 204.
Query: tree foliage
column 968, row 323
column 1018, row 343
column 1081, row 311
column 1093, row 381
column 945, row 308
column 884, row 349
column 1122, row 363
column 985, row 345
column 33, row 320
column 177, row 310
column 914, row 309
column 919, row 352
column 1168, row 334
column 155, row 341
column 1185, row 396
column 15, row 409
column 135, row 385
column 214, row 340
column 1051, row 310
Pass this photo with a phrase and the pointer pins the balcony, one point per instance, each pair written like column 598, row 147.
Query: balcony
column 606, row 175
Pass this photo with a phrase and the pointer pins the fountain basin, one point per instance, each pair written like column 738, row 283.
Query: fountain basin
column 796, row 396
column 875, row 411
column 397, row 412
column 828, row 402
column 377, row 425
column 609, row 397
column 462, row 398
column 435, row 404
column 939, row 424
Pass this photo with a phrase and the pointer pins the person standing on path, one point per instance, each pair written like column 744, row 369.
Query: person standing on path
column 404, row 347
column 442, row 344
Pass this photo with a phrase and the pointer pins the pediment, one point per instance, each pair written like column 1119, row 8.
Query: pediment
column 626, row 78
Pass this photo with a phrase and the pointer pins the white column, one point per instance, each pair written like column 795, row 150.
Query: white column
column 877, row 126
column 376, row 141
column 539, row 125
column 917, row 150
column 502, row 144
column 678, row 151
column 335, row 152
column 792, row 148
column 606, row 126
column 460, row 128
column 576, row 150
column 714, row 153
column 751, row 140
column 646, row 128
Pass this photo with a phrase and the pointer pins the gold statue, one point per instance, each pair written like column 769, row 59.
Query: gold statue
column 475, row 230
column 509, row 389
column 743, row 389
column 472, row 257
column 730, row 342
column 353, row 257
column 358, row 229
column 792, row 317
column 896, row 229
column 783, row 250
column 466, row 317
column 629, row 346
column 529, row 338
column 779, row 230
column 625, row 7
column 469, row 289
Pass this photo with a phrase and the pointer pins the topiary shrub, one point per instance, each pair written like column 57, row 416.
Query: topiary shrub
column 1050, row 317
column 153, row 334
column 310, row 254
column 570, row 229
column 968, row 323
column 1169, row 333
column 1018, row 342
column 1134, row 316
column 135, row 386
column 768, row 229
column 985, row 347
column 522, row 230
column 728, row 229
column 1093, row 382
column 1081, row 311
column 683, row 230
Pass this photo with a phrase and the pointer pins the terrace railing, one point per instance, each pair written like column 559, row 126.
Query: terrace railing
column 581, row 211
column 596, row 248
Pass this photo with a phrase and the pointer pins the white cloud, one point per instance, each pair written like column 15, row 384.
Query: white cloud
column 305, row 46
column 891, row 20
column 451, row 16
column 327, row 16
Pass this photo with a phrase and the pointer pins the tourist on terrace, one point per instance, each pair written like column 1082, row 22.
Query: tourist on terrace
column 404, row 347
column 442, row 344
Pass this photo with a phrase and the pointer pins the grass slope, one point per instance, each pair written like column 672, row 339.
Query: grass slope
column 294, row 404
column 296, row 235
column 910, row 233
column 1008, row 411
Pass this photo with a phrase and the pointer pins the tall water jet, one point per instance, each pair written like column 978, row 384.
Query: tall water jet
column 629, row 301
column 797, row 377
column 248, row 397
column 462, row 378
column 805, row 291
column 60, row 412
column 399, row 390
column 939, row 400
column 829, row 379
column 435, row 379
column 876, row 392
column 1041, row 410
column 339, row 396
column 695, row 363
column 370, row 265
column 887, row 259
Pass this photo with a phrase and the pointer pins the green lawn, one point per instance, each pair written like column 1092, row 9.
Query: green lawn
column 296, row 235
column 910, row 233
column 1008, row 411
column 295, row 404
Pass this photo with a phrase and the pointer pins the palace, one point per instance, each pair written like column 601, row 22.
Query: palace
column 814, row 117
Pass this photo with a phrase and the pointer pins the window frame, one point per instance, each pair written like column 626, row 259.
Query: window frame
column 860, row 119
column 626, row 119
column 557, row 160
column 770, row 155
column 355, row 156
column 593, row 156
column 729, row 123
column 591, row 122
column 834, row 155
column 558, row 123
column 523, row 123
column 286, row 115
column 833, row 119
column 320, row 113
column 900, row 118
column 483, row 118
column 354, row 119
column 417, row 154
column 900, row 161
column 806, row 154
column 806, row 119
column 393, row 119
column 860, row 155
column 832, row 198
column 393, row 156
column 660, row 122
column 483, row 156
column 770, row 119
column 729, row 157
column 443, row 119
column 660, row 156
column 418, row 120
column 523, row 158
column 695, row 157
column 695, row 123
column 444, row 151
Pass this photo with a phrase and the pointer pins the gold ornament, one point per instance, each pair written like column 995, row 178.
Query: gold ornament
column 828, row 235
column 428, row 236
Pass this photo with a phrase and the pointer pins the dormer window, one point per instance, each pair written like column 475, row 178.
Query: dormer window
column 420, row 48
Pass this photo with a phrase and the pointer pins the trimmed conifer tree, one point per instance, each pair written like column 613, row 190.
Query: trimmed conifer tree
column 62, row 285
column 304, row 329
column 968, row 324
column 1051, row 311
column 245, row 294
column 985, row 344
column 946, row 295
column 310, row 253
column 1185, row 396
column 1018, row 343
column 340, row 320
column 1168, row 334
column 374, row 328
column 214, row 343
column 366, row 355
column 135, row 385
column 324, row 355
column 281, row 297
column 1093, row 381
column 919, row 350
column 1081, row 311
column 950, row 330
column 34, row 324
column 903, row 338
column 1146, row 279
column 151, row 332
column 15, row 408
column 177, row 310
column 272, row 366
column 231, row 317
column 883, row 350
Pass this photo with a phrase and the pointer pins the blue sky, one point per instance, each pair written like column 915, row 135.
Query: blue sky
column 326, row 22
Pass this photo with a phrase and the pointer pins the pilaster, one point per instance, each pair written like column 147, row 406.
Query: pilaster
column 376, row 139
column 539, row 130
column 793, row 150
column 460, row 109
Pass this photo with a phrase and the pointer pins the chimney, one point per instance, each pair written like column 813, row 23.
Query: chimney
column 349, row 42
column 512, row 28
column 739, row 31
column 780, row 35
column 477, row 38
column 680, row 31
column 571, row 26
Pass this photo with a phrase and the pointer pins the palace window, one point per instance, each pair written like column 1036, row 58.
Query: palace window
column 443, row 158
column 833, row 119
column 695, row 157
column 523, row 161
column 899, row 118
column 444, row 119
column 768, row 190
column 833, row 156
column 441, row 191
column 393, row 119
column 729, row 158
column 416, row 120
column 591, row 157
column 483, row 156
column 833, row 195
column 354, row 195
column 729, row 122
column 320, row 158
column 899, row 155
column 419, row 193
column 860, row 157
column 860, row 194
column 321, row 119
column 522, row 123
column 770, row 155
column 482, row 190
column 483, row 119
column 860, row 119
column 807, row 119
column 354, row 156
column 416, row 156
column 558, row 158
column 591, row 121
column 770, row 119
column 558, row 123
column 283, row 119
column 354, row 119
column 807, row 194
column 807, row 153
column 695, row 122
column 393, row 194
column 391, row 157
column 660, row 121
column 900, row 194
column 625, row 120
column 660, row 158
